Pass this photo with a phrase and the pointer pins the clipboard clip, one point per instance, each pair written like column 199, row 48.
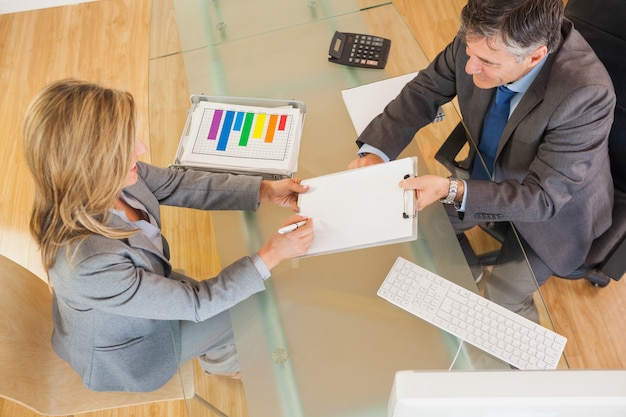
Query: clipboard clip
column 410, row 205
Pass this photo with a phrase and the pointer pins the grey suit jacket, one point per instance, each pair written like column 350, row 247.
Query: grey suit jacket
column 117, row 303
column 551, row 172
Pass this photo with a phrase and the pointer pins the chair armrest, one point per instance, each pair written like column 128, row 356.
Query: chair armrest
column 615, row 266
column 448, row 152
column 610, row 248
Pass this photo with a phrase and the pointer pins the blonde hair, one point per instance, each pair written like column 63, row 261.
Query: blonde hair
column 78, row 141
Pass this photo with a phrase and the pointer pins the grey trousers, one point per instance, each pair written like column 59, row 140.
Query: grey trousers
column 212, row 341
column 510, row 284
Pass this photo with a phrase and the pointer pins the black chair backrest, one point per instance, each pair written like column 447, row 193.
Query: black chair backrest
column 603, row 24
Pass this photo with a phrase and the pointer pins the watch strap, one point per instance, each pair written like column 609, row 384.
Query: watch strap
column 452, row 191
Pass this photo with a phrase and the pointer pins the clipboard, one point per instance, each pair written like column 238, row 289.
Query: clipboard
column 241, row 135
column 361, row 207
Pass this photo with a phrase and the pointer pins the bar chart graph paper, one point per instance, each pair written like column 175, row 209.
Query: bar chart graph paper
column 244, row 134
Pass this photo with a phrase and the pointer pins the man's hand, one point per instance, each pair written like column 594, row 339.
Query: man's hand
column 368, row 159
column 430, row 189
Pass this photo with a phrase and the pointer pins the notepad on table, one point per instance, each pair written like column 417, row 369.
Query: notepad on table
column 369, row 100
column 361, row 208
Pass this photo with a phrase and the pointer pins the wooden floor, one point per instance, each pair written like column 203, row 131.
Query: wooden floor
column 108, row 42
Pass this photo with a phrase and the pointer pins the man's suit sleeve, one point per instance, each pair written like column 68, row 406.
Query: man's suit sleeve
column 415, row 106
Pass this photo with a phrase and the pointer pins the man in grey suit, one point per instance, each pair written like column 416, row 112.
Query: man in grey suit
column 548, row 171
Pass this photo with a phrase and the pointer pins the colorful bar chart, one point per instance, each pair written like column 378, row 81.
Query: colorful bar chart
column 244, row 134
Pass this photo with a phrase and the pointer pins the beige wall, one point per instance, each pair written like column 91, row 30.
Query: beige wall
column 13, row 6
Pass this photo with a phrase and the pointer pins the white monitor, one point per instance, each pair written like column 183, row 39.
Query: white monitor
column 509, row 393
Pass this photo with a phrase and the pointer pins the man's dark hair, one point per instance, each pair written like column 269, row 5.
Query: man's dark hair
column 522, row 25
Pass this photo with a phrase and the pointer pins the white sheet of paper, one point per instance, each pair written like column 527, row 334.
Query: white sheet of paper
column 369, row 100
column 360, row 208
column 237, row 138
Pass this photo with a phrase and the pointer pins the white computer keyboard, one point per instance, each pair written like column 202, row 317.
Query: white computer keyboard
column 505, row 335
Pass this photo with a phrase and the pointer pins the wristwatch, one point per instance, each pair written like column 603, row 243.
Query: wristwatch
column 454, row 186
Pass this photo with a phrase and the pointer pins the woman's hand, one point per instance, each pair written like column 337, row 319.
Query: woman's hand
column 289, row 245
column 283, row 193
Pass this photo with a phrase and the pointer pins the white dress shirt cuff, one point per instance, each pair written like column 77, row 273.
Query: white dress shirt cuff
column 462, row 208
column 365, row 148
column 260, row 266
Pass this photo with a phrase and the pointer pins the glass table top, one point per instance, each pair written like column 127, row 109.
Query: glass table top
column 318, row 341
column 207, row 23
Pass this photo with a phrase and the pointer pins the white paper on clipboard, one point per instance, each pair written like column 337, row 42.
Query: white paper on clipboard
column 361, row 207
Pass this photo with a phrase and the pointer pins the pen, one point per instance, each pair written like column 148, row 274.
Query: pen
column 291, row 227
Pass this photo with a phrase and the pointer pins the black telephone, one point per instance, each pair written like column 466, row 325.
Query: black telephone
column 359, row 50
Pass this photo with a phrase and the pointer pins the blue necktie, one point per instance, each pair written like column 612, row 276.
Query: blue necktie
column 496, row 118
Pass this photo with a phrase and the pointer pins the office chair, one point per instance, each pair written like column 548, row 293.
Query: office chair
column 604, row 29
column 33, row 376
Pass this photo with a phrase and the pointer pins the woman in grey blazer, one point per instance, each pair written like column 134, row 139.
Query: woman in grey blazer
column 122, row 318
column 550, row 172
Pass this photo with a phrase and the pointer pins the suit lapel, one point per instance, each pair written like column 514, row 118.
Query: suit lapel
column 138, row 240
column 140, row 192
column 532, row 98
column 479, row 102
